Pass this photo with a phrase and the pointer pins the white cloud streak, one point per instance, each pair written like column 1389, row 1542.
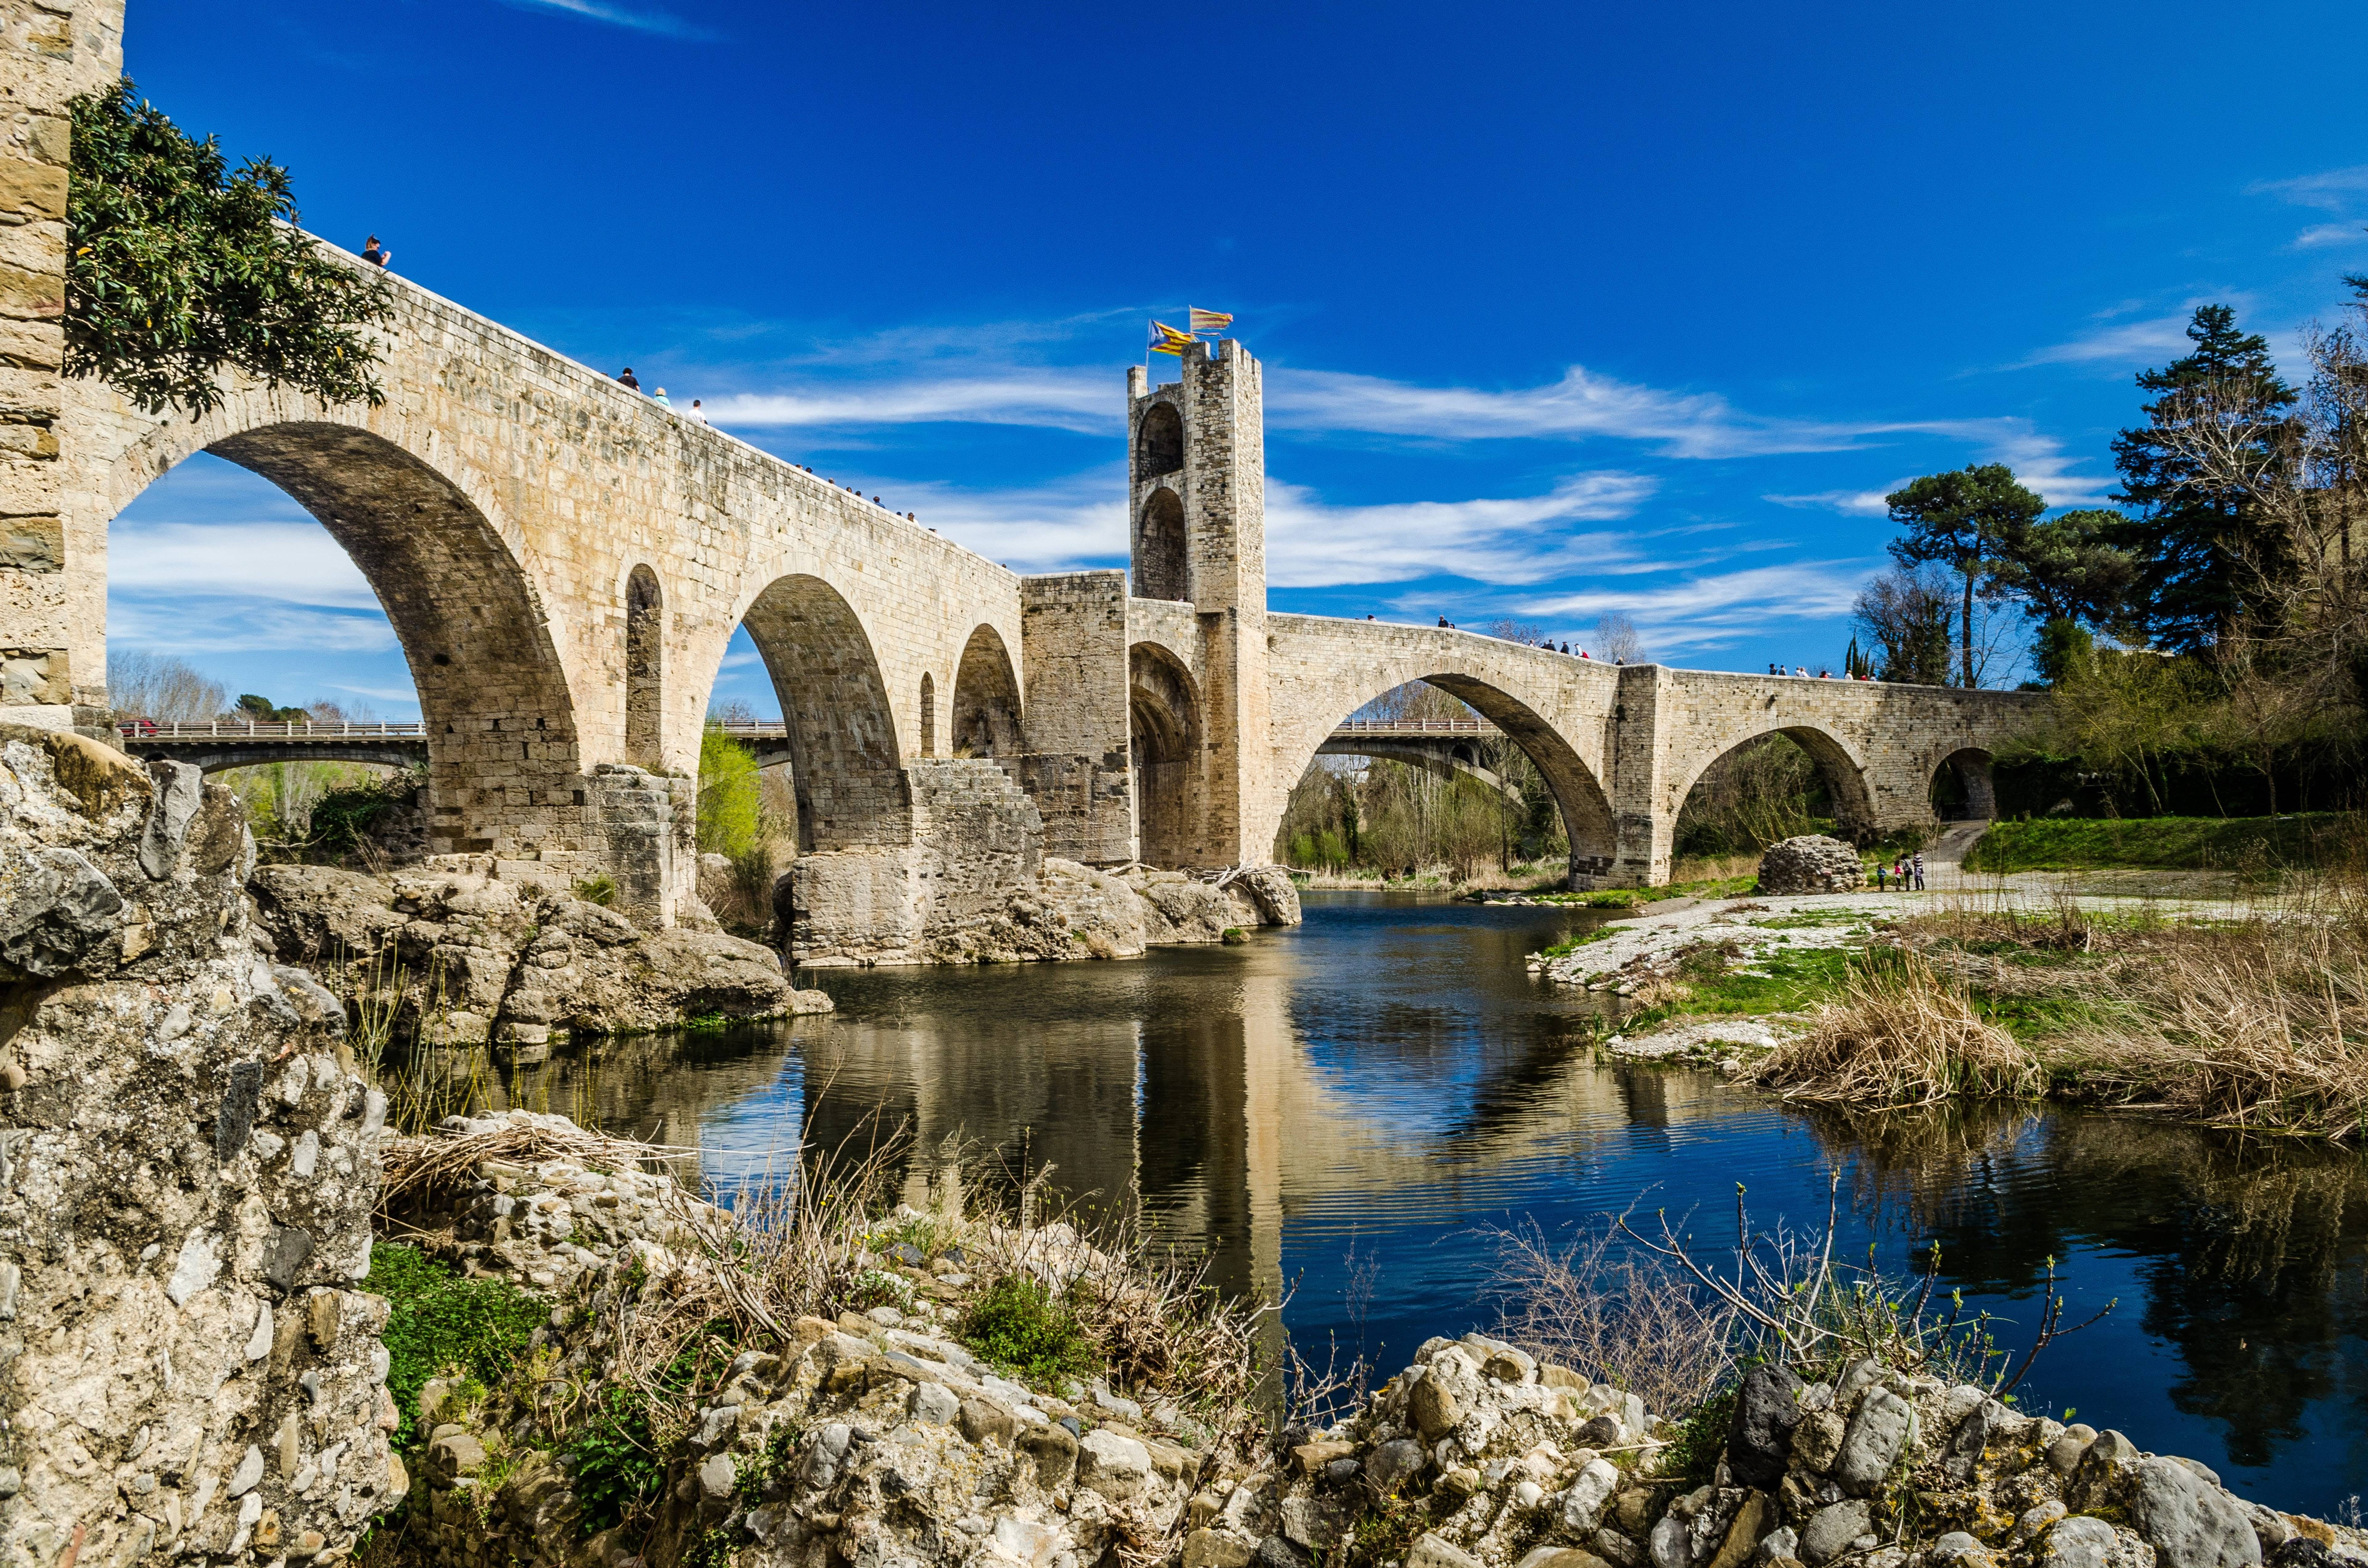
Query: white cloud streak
column 289, row 563
column 1060, row 400
column 1310, row 545
column 658, row 22
column 1713, row 611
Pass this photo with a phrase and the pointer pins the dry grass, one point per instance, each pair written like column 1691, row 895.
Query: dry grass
column 417, row 1166
column 1612, row 1315
column 1902, row 1034
column 2260, row 1024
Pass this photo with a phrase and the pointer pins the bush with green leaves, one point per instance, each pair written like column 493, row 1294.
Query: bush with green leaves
column 1020, row 1324
column 614, row 1460
column 729, row 819
column 176, row 267
column 440, row 1324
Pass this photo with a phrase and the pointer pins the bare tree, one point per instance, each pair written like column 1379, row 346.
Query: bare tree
column 1527, row 632
column 1906, row 613
column 1616, row 639
column 157, row 686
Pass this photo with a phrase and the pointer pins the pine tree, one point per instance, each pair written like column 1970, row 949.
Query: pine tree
column 2190, row 538
column 1972, row 520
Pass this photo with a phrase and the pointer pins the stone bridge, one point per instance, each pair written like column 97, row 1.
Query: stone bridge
column 564, row 562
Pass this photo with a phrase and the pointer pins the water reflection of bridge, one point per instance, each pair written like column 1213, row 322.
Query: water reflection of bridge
column 1226, row 1120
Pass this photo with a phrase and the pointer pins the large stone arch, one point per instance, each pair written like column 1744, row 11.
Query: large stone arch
column 851, row 792
column 1578, row 794
column 984, row 718
column 505, row 773
column 1165, row 748
column 1838, row 763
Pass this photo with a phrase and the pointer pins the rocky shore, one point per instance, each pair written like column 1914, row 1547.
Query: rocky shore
column 882, row 1438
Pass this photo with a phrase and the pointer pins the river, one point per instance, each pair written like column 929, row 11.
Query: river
column 1350, row 1109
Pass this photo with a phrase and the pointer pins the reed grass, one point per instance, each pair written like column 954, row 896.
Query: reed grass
column 1901, row 1034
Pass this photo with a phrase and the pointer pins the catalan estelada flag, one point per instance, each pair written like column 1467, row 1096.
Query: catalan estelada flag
column 1209, row 320
column 1166, row 339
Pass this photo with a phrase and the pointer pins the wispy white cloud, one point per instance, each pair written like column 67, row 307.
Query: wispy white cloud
column 1580, row 405
column 206, row 627
column 287, row 563
column 1516, row 539
column 2331, row 234
column 641, row 21
column 1060, row 400
column 2129, row 343
column 1848, row 502
column 2332, row 190
column 1711, row 610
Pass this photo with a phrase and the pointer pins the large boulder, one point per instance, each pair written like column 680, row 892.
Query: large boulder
column 187, row 1167
column 1811, row 863
column 470, row 951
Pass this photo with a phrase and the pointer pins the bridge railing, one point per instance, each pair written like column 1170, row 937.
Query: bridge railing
column 1414, row 727
column 267, row 728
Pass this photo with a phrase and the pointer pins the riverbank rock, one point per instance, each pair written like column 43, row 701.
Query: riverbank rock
column 187, row 1167
column 1811, row 863
column 469, row 952
column 1071, row 911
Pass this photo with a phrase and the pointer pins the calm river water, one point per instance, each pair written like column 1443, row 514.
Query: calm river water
column 1348, row 1108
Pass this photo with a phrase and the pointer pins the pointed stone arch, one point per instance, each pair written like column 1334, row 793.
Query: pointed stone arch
column 1160, row 555
column 1164, row 729
column 851, row 792
column 984, row 720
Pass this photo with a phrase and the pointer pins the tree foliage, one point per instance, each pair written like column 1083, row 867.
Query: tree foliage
column 2196, row 524
column 178, row 267
column 1905, row 614
column 730, row 796
column 1970, row 520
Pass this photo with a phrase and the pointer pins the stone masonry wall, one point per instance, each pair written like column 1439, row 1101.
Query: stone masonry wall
column 52, row 574
column 1074, row 629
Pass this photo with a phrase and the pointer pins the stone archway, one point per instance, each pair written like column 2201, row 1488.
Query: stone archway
column 1164, row 731
column 984, row 720
column 1159, row 558
column 1840, row 771
column 504, row 776
column 1579, row 795
column 1962, row 787
column 850, row 788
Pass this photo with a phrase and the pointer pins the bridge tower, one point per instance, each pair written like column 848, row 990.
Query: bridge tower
column 1196, row 460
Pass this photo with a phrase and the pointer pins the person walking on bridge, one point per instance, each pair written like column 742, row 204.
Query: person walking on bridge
column 377, row 254
column 626, row 378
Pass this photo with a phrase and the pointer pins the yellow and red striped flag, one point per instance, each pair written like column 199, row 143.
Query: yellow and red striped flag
column 1209, row 320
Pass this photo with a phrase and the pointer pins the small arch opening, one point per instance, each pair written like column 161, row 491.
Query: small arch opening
column 985, row 716
column 1963, row 790
column 1163, row 723
column 1159, row 442
column 645, row 669
column 929, row 714
column 1160, row 571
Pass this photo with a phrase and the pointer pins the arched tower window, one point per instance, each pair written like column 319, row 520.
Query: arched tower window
column 1159, row 549
column 645, row 669
column 928, row 714
column 1159, row 443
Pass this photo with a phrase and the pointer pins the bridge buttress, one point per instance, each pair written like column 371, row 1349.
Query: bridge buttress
column 1075, row 764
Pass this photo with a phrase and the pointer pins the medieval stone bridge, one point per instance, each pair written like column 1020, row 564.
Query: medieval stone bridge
column 564, row 562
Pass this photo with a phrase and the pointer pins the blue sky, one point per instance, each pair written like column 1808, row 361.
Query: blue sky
column 1565, row 310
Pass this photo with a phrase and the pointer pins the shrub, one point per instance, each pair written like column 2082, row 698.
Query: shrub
column 615, row 1461
column 441, row 1323
column 728, row 792
column 1020, row 1324
column 599, row 889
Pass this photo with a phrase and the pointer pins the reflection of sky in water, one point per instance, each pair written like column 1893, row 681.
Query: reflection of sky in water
column 1377, row 1089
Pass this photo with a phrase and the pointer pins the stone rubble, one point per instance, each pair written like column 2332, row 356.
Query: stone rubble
column 187, row 1167
column 1810, row 863
column 478, row 955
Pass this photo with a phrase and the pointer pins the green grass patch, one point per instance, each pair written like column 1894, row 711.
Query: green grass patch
column 441, row 1323
column 1021, row 1325
column 1788, row 982
column 2081, row 844
column 1577, row 940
